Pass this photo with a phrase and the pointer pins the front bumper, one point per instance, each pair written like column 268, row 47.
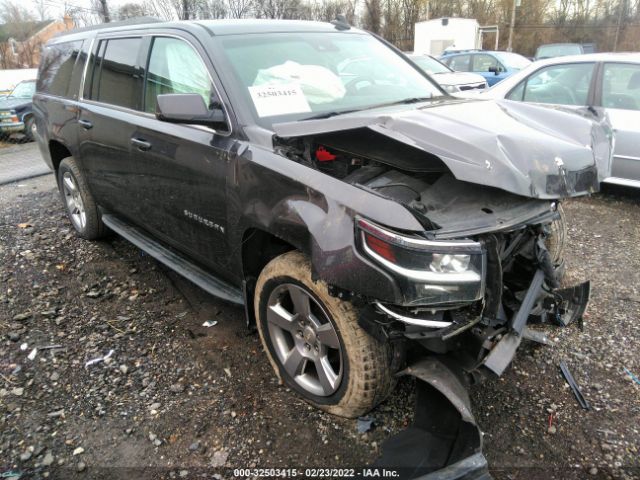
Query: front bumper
column 12, row 127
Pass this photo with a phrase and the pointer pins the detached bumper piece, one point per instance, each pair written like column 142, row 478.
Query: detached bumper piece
column 563, row 306
column 444, row 442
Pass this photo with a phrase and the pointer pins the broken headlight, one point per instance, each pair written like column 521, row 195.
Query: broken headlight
column 430, row 272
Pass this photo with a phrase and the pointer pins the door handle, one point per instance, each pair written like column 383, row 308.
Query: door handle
column 141, row 144
column 86, row 124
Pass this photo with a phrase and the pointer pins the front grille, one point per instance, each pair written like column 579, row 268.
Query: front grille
column 478, row 86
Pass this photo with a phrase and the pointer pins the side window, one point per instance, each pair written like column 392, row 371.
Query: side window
column 483, row 62
column 56, row 67
column 460, row 63
column 621, row 86
column 117, row 78
column 566, row 84
column 517, row 93
column 175, row 67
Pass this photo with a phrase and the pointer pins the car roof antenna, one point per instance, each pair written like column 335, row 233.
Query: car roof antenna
column 341, row 22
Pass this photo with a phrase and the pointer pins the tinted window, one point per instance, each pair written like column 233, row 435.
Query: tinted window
column 175, row 67
column 459, row 63
column 117, row 77
column 483, row 62
column 56, row 67
column 566, row 84
column 621, row 86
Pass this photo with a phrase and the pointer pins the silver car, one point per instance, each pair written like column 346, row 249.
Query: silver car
column 450, row 80
column 606, row 83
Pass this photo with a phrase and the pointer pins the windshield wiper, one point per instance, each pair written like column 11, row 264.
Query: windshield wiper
column 406, row 101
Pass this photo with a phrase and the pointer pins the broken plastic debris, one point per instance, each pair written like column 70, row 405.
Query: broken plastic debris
column 633, row 377
column 574, row 386
column 32, row 354
column 99, row 359
column 210, row 323
column 365, row 424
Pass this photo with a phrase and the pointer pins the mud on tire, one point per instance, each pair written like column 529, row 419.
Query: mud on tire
column 366, row 377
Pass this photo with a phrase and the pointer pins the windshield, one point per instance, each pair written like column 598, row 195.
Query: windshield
column 297, row 76
column 24, row 90
column 550, row 51
column 430, row 65
column 513, row 61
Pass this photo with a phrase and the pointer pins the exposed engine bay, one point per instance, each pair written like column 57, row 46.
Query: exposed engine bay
column 520, row 237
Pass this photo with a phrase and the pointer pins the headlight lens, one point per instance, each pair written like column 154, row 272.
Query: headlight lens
column 451, row 88
column 448, row 263
column 432, row 272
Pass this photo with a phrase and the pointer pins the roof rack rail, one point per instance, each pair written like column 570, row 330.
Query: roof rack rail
column 121, row 23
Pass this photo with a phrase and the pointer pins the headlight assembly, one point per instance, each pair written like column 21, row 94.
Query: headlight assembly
column 430, row 272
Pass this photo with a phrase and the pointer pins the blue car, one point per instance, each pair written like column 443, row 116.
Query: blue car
column 493, row 66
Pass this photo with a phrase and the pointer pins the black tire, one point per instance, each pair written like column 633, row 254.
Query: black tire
column 89, row 225
column 365, row 379
column 29, row 125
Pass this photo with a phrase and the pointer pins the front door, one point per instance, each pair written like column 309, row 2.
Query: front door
column 620, row 96
column 182, row 169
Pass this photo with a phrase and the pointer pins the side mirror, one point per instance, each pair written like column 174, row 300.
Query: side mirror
column 189, row 108
column 494, row 70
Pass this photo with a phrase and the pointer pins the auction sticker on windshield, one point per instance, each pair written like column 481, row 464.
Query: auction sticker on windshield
column 280, row 99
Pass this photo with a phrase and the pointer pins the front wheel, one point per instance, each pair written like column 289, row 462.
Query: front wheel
column 314, row 342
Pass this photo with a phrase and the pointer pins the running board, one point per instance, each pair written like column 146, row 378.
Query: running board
column 179, row 264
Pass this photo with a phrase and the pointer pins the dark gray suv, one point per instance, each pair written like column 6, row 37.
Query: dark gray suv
column 370, row 224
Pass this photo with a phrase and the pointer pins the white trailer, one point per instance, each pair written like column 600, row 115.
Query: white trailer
column 432, row 37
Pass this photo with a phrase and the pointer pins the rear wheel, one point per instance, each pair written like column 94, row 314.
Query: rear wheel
column 78, row 201
column 314, row 342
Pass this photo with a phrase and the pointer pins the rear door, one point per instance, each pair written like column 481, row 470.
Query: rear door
column 109, row 115
column 620, row 96
column 182, row 169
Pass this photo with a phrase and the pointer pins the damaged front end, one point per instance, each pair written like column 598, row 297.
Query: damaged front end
column 488, row 262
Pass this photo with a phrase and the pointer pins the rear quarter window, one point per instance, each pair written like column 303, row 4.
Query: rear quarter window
column 57, row 68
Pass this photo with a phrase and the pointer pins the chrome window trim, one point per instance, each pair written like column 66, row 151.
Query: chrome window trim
column 84, row 70
column 129, row 34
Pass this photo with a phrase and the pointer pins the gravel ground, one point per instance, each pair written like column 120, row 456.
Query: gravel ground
column 176, row 399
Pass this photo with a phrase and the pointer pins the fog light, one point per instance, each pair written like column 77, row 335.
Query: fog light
column 448, row 263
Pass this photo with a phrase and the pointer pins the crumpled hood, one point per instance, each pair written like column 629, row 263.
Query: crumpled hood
column 458, row 78
column 529, row 150
column 11, row 103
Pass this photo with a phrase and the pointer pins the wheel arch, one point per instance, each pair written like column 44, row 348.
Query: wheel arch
column 58, row 152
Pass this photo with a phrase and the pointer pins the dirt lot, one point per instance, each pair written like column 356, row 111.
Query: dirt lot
column 179, row 400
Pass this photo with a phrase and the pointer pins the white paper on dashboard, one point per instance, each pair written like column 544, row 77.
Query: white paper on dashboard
column 279, row 99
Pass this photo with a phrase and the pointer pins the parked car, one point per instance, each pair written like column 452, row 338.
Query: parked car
column 606, row 83
column 493, row 66
column 16, row 112
column 450, row 80
column 553, row 50
column 371, row 225
column 9, row 78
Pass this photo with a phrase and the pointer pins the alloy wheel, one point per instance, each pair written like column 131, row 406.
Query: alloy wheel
column 73, row 201
column 304, row 339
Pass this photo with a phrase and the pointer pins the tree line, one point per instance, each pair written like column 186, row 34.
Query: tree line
column 610, row 25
